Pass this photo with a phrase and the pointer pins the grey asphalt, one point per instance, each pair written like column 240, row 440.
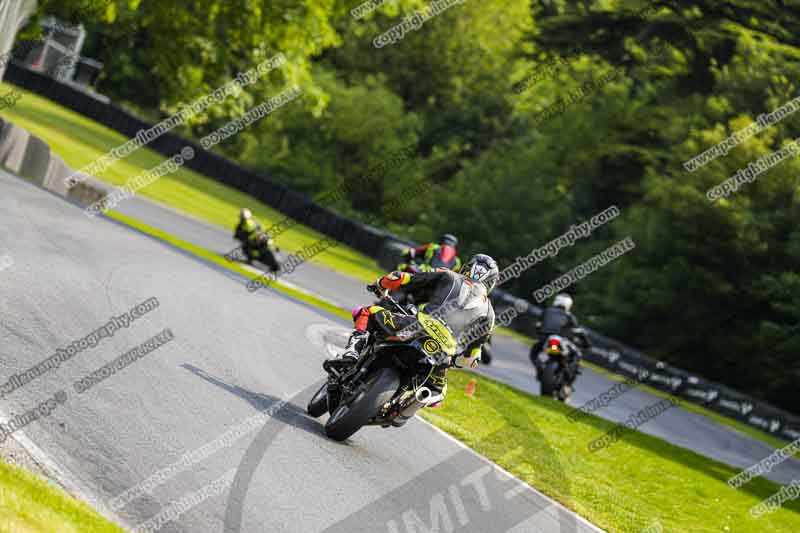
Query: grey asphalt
column 234, row 354
column 511, row 364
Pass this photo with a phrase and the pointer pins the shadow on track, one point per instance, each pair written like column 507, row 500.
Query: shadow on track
column 290, row 414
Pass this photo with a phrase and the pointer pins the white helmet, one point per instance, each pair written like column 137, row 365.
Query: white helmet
column 482, row 268
column 564, row 301
column 245, row 214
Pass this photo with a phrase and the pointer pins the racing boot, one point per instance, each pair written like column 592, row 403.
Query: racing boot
column 352, row 352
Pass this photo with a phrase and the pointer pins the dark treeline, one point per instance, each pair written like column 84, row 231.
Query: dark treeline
column 527, row 116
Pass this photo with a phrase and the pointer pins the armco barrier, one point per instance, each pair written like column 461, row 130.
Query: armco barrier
column 606, row 352
column 621, row 359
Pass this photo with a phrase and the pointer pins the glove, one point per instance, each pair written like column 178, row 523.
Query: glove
column 376, row 289
column 473, row 360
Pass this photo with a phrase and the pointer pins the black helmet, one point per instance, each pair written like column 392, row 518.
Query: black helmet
column 450, row 239
column 482, row 268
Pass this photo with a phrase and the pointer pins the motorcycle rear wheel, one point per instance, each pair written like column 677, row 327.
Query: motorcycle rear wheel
column 549, row 379
column 351, row 416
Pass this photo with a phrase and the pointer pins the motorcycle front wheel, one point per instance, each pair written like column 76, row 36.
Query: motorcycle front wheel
column 350, row 416
column 318, row 404
column 270, row 261
column 486, row 355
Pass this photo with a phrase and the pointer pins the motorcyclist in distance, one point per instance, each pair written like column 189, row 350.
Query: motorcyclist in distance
column 433, row 255
column 247, row 226
column 559, row 320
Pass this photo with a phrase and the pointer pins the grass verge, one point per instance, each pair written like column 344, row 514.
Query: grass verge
column 623, row 488
column 29, row 504
column 79, row 141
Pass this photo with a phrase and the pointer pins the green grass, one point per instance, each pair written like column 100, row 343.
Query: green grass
column 622, row 488
column 29, row 504
column 755, row 433
column 80, row 141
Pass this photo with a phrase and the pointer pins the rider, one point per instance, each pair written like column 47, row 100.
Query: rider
column 247, row 226
column 558, row 320
column 434, row 255
column 464, row 303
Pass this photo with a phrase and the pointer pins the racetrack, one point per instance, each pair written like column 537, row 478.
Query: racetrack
column 510, row 365
column 234, row 354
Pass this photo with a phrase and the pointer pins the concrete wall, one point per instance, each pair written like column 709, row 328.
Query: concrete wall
column 30, row 157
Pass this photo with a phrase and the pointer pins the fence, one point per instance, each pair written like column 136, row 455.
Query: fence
column 606, row 352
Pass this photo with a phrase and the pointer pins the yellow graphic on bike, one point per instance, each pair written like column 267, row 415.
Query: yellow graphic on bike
column 439, row 332
column 430, row 346
column 388, row 319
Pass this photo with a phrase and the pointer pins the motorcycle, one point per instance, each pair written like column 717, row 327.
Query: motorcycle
column 405, row 299
column 556, row 366
column 387, row 386
column 262, row 249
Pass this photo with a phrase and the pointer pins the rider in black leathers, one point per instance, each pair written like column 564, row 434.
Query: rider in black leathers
column 460, row 298
column 558, row 320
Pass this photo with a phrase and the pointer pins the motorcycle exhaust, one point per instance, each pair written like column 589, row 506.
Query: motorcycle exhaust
column 423, row 397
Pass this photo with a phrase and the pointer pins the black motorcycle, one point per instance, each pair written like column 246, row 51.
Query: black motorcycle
column 556, row 367
column 262, row 249
column 387, row 385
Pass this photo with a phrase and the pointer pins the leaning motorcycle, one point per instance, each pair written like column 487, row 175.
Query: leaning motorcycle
column 405, row 299
column 261, row 249
column 554, row 368
column 388, row 384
